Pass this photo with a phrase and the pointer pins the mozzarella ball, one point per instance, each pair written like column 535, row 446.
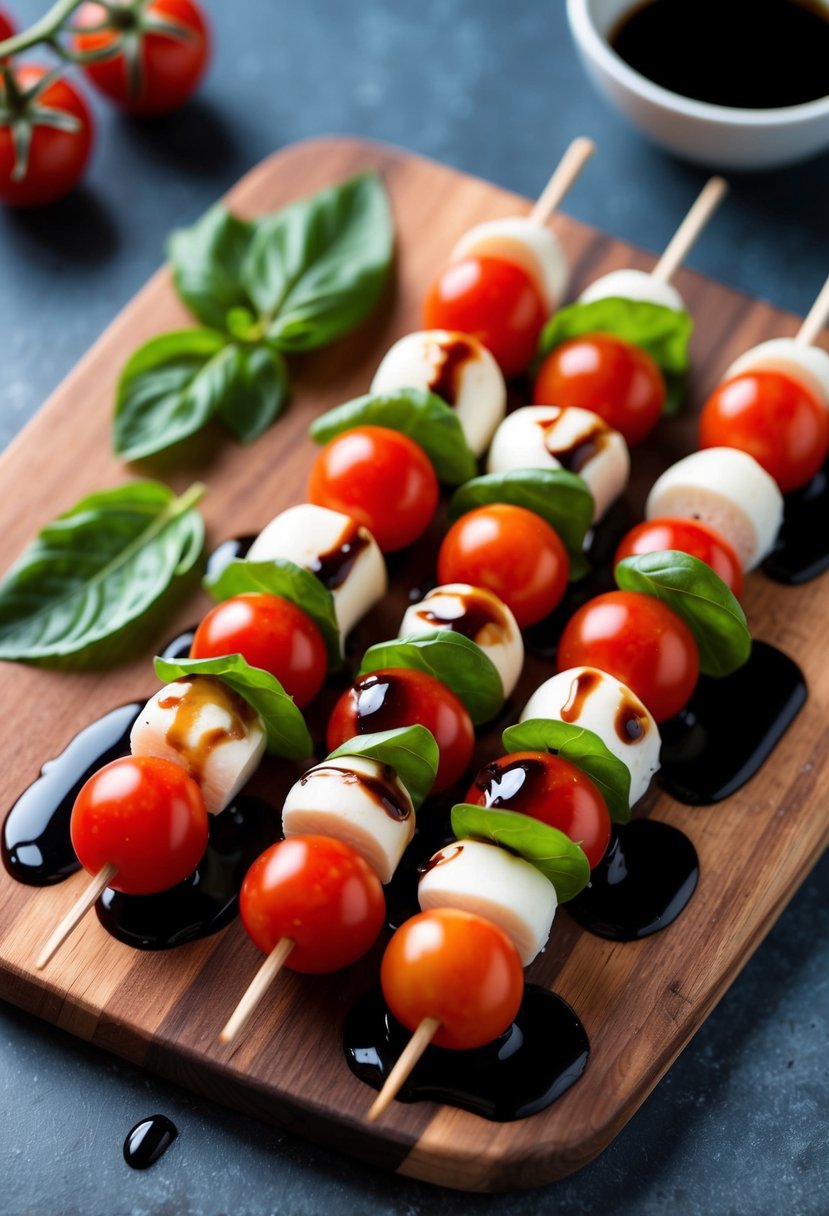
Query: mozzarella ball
column 457, row 368
column 808, row 365
column 533, row 247
column 564, row 437
column 202, row 725
column 585, row 696
column 633, row 285
column 488, row 881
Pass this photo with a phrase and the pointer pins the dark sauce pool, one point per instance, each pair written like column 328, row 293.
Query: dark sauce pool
column 802, row 549
column 148, row 1141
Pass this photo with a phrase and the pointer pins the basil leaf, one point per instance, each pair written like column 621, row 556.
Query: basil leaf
column 281, row 577
column 663, row 332
column 206, row 261
column 700, row 597
column 256, row 392
column 410, row 750
column 285, row 726
column 170, row 388
column 552, row 852
column 421, row 415
column 96, row 568
column 558, row 496
column 581, row 747
column 316, row 269
column 451, row 658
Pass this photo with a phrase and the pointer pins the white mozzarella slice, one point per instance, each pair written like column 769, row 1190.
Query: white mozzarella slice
column 326, row 542
column 478, row 615
column 633, row 285
column 599, row 702
column 358, row 801
column 207, row 729
column 518, row 239
column 728, row 490
column 809, row 365
column 555, row 437
column 488, row 881
column 455, row 367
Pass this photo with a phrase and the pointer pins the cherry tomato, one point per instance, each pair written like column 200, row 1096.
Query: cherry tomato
column 320, row 893
column 641, row 642
column 396, row 696
column 550, row 789
column 615, row 379
column 145, row 816
column 458, row 968
column 688, row 536
column 495, row 301
column 380, row 478
column 510, row 551
column 776, row 420
column 168, row 40
column 55, row 159
column 7, row 28
column 268, row 632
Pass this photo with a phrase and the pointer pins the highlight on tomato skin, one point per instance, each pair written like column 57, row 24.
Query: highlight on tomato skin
column 688, row 536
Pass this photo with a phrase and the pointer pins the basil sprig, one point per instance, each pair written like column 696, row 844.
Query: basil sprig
column 700, row 597
column 410, row 750
column 416, row 412
column 287, row 734
column 581, row 747
column 292, row 281
column 96, row 568
column 453, row 659
column 558, row 857
column 664, row 333
column 558, row 496
column 281, row 577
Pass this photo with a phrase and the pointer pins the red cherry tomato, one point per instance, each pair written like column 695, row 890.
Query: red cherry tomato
column 169, row 40
column 380, row 478
column 145, row 816
column 396, row 696
column 550, row 789
column 320, row 893
column 641, row 642
column 776, row 420
column 7, row 27
column 495, row 301
column 55, row 159
column 268, row 632
column 615, row 379
column 510, row 551
column 688, row 536
column 458, row 968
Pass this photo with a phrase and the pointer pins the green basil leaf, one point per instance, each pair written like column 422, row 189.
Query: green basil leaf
column 581, row 747
column 206, row 261
column 96, row 568
column 256, row 393
column 700, row 597
column 421, row 415
column 552, row 852
column 558, row 496
column 170, row 388
column 315, row 269
column 663, row 332
column 281, row 577
column 410, row 750
column 284, row 724
column 451, row 658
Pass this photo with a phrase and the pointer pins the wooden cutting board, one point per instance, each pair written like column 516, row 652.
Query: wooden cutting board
column 640, row 1002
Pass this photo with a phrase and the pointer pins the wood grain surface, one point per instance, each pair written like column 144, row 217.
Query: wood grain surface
column 640, row 1002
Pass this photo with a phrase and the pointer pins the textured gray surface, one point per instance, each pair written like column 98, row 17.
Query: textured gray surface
column 741, row 1122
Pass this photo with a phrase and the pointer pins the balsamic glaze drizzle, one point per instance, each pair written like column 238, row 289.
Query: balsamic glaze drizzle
column 148, row 1141
column 226, row 552
column 802, row 549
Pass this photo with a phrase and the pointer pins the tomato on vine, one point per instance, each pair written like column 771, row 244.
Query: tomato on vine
column 7, row 27
column 46, row 134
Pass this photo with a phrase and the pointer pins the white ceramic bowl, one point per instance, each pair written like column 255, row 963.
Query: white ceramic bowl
column 718, row 136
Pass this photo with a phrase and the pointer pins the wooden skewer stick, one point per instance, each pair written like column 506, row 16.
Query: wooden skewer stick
column 76, row 913
column 398, row 1076
column 817, row 317
column 256, row 989
column 684, row 238
column 564, row 174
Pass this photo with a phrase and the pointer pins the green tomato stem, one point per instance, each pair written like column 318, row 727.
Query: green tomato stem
column 43, row 30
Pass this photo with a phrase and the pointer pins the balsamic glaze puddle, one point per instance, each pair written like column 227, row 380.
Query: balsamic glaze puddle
column 148, row 1141
column 535, row 1061
column 226, row 552
column 802, row 549
column 206, row 901
column 730, row 727
column 179, row 647
column 641, row 885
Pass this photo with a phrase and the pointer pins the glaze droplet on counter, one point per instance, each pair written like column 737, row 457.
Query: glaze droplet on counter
column 148, row 1141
